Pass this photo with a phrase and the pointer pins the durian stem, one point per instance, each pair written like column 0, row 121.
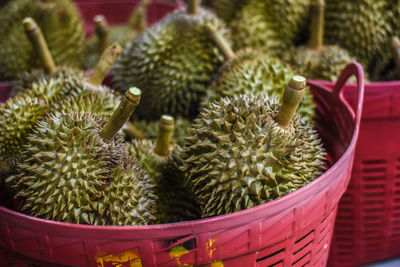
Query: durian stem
column 39, row 44
column 317, row 25
column 138, row 19
column 121, row 114
column 220, row 42
column 102, row 32
column 193, row 6
column 132, row 131
column 291, row 99
column 165, row 131
column 395, row 44
column 104, row 65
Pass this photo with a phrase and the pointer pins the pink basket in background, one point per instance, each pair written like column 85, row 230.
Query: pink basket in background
column 367, row 227
column 118, row 11
column 294, row 230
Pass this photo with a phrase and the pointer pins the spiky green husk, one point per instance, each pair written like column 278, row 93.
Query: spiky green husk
column 26, row 79
column 173, row 62
column 227, row 9
column 132, row 197
column 120, row 34
column 237, row 156
column 102, row 102
column 270, row 26
column 256, row 74
column 150, row 129
column 61, row 26
column 361, row 27
column 322, row 65
column 175, row 201
column 69, row 173
column 16, row 120
column 20, row 114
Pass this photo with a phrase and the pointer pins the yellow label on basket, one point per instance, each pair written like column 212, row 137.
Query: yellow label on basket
column 123, row 259
column 176, row 253
column 217, row 264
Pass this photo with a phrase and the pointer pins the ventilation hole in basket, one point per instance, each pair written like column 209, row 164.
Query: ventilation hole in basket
column 397, row 184
column 374, row 178
column 396, row 215
column 378, row 194
column 326, row 217
column 397, row 192
column 374, row 186
column 306, row 245
column 270, row 256
column 305, row 255
column 323, row 229
column 372, row 225
column 309, row 233
column 374, row 161
column 275, row 264
column 376, row 210
column 374, row 202
column 185, row 241
column 397, row 200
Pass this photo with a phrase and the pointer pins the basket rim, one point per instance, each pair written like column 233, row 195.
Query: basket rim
column 216, row 220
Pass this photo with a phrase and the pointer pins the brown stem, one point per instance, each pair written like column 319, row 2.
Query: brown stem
column 105, row 63
column 39, row 44
column 220, row 41
column 165, row 131
column 317, row 25
column 122, row 113
column 138, row 19
column 395, row 45
column 291, row 99
column 193, row 7
column 131, row 130
column 102, row 32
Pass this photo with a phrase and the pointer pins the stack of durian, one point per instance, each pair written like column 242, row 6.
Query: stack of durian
column 211, row 112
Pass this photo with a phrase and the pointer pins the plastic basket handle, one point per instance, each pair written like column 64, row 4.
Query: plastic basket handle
column 357, row 70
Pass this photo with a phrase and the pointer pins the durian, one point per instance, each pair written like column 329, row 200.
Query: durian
column 393, row 70
column 48, row 68
column 122, row 34
column 20, row 114
column 318, row 61
column 271, row 26
column 76, row 168
column 60, row 23
column 362, row 28
column 247, row 150
column 173, row 62
column 162, row 161
column 149, row 130
column 251, row 71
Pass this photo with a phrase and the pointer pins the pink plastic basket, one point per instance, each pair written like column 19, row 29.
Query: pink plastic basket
column 367, row 227
column 294, row 230
column 118, row 11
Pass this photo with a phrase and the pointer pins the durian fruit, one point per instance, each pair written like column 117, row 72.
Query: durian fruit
column 149, row 130
column 162, row 161
column 105, row 35
column 318, row 61
column 227, row 9
column 362, row 28
column 393, row 70
column 20, row 114
column 60, row 23
column 76, row 168
column 252, row 71
column 247, row 150
column 173, row 62
column 48, row 68
column 271, row 26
